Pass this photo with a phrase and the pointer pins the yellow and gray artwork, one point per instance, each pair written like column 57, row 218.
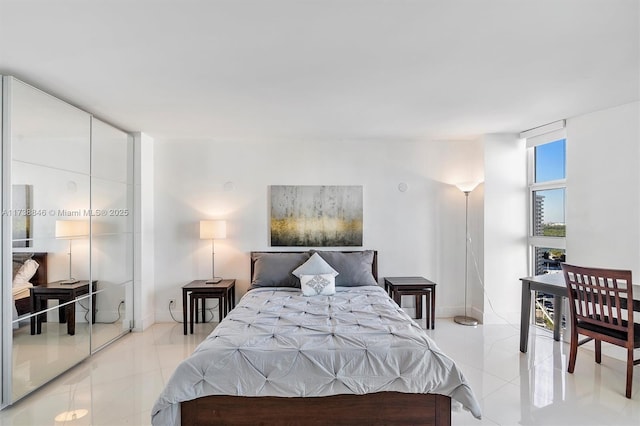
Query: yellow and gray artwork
column 316, row 215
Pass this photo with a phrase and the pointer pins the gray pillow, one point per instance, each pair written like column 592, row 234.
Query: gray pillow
column 354, row 269
column 275, row 269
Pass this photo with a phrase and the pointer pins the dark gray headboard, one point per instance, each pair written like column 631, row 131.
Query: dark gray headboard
column 374, row 265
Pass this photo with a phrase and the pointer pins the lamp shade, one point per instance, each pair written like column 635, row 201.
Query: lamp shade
column 213, row 229
column 72, row 228
column 467, row 186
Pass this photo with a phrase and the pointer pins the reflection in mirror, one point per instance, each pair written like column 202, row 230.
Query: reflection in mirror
column 50, row 147
column 112, row 231
column 38, row 358
column 111, row 258
column 48, row 131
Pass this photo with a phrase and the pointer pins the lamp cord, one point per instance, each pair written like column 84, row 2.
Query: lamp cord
column 484, row 290
column 86, row 313
column 210, row 310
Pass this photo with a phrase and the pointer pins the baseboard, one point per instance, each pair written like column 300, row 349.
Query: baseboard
column 144, row 323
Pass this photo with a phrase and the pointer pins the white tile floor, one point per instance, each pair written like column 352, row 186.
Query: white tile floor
column 119, row 384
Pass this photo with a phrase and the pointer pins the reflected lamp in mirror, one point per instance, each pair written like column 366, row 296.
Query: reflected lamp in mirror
column 70, row 230
column 213, row 230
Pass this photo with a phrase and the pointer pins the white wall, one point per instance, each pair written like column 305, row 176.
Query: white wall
column 505, row 227
column 144, row 246
column 603, row 189
column 417, row 232
column 603, row 193
column 420, row 231
column 458, row 161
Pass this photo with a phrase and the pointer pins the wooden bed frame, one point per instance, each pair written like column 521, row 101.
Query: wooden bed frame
column 23, row 306
column 381, row 408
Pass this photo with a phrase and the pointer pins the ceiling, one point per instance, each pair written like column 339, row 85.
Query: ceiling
column 327, row 69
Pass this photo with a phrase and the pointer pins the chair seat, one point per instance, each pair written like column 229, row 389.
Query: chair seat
column 621, row 335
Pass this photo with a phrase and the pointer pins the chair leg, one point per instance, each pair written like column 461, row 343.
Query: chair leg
column 598, row 351
column 573, row 351
column 629, row 372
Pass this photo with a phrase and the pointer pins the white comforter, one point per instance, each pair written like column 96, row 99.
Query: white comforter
column 277, row 342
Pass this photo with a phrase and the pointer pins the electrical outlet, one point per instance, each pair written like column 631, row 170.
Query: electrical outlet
column 172, row 302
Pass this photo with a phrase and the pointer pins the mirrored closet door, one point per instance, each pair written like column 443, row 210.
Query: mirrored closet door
column 67, row 237
column 111, row 231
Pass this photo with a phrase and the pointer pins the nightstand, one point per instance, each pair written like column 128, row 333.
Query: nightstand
column 199, row 290
column 418, row 287
column 64, row 293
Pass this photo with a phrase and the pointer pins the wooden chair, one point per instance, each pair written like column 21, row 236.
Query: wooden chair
column 598, row 301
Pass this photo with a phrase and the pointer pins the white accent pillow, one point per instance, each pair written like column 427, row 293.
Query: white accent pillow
column 315, row 265
column 318, row 285
column 25, row 273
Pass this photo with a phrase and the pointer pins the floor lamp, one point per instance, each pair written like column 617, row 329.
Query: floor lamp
column 213, row 230
column 466, row 187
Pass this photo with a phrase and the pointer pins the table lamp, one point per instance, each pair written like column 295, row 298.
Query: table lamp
column 213, row 230
column 70, row 230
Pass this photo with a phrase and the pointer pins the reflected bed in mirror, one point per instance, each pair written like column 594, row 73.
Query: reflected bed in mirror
column 25, row 275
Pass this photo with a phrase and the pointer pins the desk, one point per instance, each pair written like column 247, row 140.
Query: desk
column 551, row 284
column 418, row 287
column 199, row 289
column 64, row 293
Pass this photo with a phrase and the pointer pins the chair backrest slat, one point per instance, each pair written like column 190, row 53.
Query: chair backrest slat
column 597, row 294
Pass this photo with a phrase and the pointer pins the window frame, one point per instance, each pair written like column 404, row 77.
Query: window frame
column 534, row 241
column 549, row 133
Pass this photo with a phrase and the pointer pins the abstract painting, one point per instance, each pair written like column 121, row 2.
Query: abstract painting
column 316, row 216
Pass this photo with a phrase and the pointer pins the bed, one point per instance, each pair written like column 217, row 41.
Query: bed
column 281, row 357
column 29, row 269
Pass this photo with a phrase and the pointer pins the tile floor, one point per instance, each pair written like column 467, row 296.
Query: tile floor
column 37, row 358
column 118, row 385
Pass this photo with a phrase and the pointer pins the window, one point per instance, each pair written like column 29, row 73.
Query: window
column 550, row 161
column 547, row 185
column 547, row 226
